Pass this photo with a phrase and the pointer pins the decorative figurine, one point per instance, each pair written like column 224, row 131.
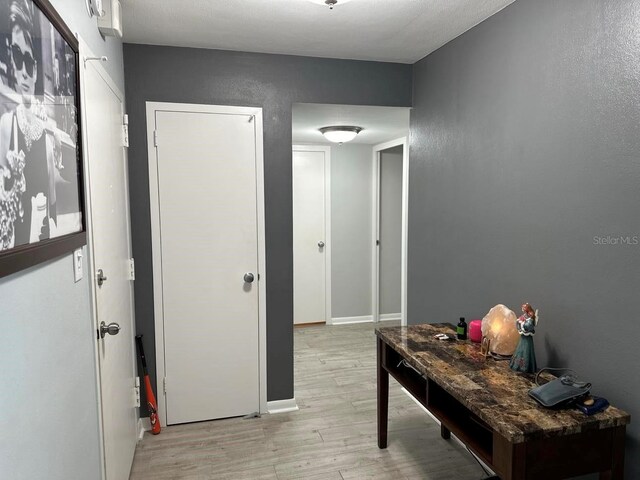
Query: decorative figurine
column 524, row 358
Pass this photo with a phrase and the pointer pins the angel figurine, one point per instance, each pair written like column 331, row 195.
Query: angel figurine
column 524, row 358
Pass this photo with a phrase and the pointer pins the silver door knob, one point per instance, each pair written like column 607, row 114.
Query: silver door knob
column 248, row 277
column 321, row 244
column 101, row 277
column 112, row 329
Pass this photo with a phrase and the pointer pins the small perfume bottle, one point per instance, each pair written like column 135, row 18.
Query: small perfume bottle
column 461, row 329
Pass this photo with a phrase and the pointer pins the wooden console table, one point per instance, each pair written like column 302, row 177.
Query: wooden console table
column 487, row 407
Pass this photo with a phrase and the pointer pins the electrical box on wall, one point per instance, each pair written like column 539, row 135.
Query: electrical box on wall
column 110, row 23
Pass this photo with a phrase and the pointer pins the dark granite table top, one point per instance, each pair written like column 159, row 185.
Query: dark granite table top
column 489, row 388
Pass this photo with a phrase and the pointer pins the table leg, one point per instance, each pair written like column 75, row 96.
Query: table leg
column 617, row 460
column 445, row 432
column 383, row 398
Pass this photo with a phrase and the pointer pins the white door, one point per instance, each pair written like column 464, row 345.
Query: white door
column 310, row 243
column 110, row 237
column 208, row 209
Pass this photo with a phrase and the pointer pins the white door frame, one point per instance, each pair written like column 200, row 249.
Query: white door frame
column 327, row 219
column 375, row 252
column 89, row 266
column 151, row 108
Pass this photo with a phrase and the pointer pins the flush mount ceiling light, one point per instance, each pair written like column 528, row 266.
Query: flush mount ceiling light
column 330, row 3
column 341, row 133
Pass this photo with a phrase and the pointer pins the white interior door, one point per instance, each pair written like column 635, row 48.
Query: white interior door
column 310, row 242
column 208, row 211
column 111, row 252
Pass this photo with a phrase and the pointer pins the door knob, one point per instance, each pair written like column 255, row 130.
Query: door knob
column 321, row 244
column 248, row 277
column 101, row 277
column 112, row 329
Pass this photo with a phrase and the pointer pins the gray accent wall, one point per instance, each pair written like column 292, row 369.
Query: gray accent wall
column 273, row 82
column 351, row 229
column 525, row 185
column 390, row 261
column 48, row 390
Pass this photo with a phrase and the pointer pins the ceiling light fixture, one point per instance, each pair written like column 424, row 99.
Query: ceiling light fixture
column 330, row 3
column 341, row 133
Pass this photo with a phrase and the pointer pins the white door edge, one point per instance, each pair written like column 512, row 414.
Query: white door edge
column 90, row 268
column 327, row 219
column 375, row 257
column 156, row 252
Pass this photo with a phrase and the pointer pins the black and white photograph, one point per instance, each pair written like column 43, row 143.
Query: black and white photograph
column 39, row 180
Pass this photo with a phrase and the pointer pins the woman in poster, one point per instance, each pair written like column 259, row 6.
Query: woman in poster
column 26, row 196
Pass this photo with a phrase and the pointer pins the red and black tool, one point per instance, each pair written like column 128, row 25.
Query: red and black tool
column 152, row 405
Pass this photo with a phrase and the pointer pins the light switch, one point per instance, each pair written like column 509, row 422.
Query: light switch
column 78, row 265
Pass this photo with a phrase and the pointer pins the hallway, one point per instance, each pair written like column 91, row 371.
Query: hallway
column 332, row 436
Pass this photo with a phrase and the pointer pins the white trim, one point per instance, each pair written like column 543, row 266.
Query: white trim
column 375, row 269
column 327, row 219
column 456, row 439
column 350, row 320
column 375, row 233
column 384, row 317
column 151, row 108
column 282, row 406
column 262, row 260
column 90, row 272
column 144, row 425
column 405, row 232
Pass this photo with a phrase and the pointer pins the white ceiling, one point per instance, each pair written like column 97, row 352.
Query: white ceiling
column 380, row 124
column 401, row 31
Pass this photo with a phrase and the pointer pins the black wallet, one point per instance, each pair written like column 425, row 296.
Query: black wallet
column 561, row 392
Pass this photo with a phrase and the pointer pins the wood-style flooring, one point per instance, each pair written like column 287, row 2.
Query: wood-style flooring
column 331, row 437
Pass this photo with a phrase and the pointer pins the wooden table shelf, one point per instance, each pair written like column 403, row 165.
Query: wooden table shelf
column 486, row 405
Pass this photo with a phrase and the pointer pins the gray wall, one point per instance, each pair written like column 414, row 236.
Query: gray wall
column 525, row 145
column 390, row 230
column 273, row 82
column 48, row 394
column 351, row 230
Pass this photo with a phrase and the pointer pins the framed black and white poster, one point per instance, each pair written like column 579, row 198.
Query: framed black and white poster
column 41, row 182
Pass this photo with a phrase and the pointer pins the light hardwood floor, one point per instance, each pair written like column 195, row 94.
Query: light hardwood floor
column 332, row 436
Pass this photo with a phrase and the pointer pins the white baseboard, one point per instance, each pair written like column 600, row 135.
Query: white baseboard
column 456, row 439
column 282, row 406
column 349, row 320
column 144, row 425
column 384, row 317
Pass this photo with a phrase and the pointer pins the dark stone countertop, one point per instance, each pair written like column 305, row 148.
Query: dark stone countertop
column 489, row 388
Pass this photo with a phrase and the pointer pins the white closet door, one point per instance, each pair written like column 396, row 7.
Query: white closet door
column 111, row 251
column 309, row 242
column 209, row 236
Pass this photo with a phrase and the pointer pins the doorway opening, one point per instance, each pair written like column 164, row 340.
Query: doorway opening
column 349, row 215
column 349, row 247
column 389, row 252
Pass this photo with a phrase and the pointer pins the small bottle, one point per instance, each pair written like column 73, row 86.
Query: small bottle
column 461, row 329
